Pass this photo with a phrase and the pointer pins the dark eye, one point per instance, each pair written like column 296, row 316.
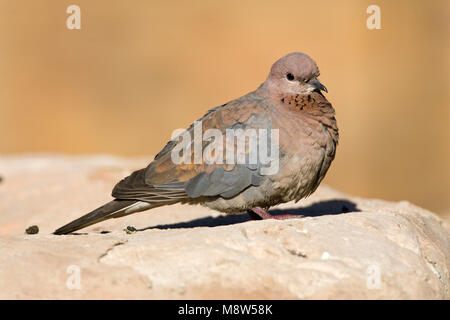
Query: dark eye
column 290, row 76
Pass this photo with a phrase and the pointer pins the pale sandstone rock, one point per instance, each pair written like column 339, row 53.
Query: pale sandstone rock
column 343, row 248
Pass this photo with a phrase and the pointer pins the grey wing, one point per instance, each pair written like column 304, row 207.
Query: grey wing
column 218, row 183
column 221, row 183
column 166, row 182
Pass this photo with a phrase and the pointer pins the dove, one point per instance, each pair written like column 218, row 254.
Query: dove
column 298, row 129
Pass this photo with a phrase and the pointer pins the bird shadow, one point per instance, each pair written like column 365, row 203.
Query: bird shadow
column 329, row 207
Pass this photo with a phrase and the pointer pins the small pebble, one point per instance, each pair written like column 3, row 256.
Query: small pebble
column 32, row 230
column 130, row 230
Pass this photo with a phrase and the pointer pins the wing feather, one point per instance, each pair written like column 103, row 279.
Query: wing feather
column 165, row 181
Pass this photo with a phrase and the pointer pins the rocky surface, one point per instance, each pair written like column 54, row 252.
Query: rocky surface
column 341, row 248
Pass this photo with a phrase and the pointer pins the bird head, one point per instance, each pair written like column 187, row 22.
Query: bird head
column 295, row 73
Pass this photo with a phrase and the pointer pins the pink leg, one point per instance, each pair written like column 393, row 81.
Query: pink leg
column 258, row 213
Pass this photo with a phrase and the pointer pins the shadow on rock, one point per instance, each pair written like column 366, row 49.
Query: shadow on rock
column 323, row 208
column 330, row 207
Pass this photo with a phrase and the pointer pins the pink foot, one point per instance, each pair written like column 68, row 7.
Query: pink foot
column 258, row 213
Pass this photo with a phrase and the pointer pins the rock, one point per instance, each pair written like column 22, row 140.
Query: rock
column 342, row 248
column 32, row 230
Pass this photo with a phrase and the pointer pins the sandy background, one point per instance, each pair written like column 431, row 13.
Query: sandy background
column 137, row 70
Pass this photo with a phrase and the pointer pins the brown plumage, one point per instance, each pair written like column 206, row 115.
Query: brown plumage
column 290, row 101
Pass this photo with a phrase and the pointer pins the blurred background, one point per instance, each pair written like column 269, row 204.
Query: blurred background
column 137, row 70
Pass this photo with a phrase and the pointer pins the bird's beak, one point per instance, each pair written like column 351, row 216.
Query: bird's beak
column 317, row 85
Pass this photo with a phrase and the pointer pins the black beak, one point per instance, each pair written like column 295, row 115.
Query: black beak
column 317, row 85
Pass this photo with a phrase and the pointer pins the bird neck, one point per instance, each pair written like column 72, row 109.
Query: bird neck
column 268, row 91
column 311, row 107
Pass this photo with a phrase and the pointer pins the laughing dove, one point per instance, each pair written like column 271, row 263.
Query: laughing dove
column 289, row 140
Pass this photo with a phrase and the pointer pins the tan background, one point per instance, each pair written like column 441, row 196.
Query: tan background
column 139, row 69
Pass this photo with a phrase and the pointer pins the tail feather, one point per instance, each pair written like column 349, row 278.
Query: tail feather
column 113, row 209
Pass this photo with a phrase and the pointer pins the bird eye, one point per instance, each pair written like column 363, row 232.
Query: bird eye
column 290, row 76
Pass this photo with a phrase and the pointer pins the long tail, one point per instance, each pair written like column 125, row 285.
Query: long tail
column 113, row 209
